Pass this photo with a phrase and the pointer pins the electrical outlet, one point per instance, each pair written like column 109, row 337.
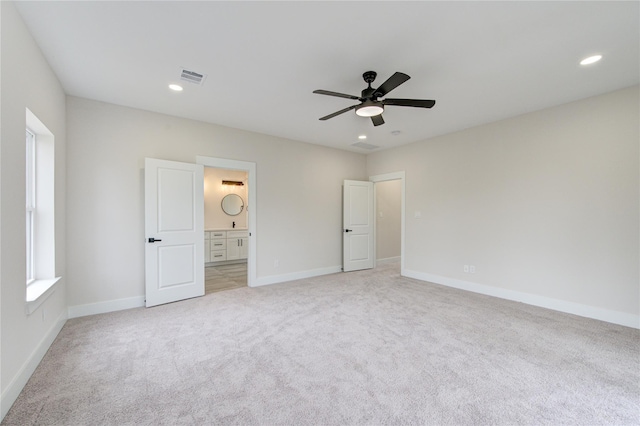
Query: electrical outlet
column 276, row 263
column 417, row 214
column 466, row 268
column 472, row 269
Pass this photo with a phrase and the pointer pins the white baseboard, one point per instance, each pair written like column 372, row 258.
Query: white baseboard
column 275, row 279
column 104, row 307
column 388, row 260
column 138, row 302
column 607, row 315
column 16, row 385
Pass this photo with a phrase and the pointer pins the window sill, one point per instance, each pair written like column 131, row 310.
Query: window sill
column 38, row 291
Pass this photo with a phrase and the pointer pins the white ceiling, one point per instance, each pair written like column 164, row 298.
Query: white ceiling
column 481, row 61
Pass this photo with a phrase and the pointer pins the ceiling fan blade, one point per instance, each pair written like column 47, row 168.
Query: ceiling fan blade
column 418, row 103
column 326, row 117
column 392, row 82
column 377, row 120
column 340, row 95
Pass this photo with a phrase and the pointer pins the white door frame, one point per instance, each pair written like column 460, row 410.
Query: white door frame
column 383, row 178
column 250, row 168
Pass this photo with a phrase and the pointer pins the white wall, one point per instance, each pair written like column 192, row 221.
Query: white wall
column 544, row 205
column 214, row 192
column 388, row 215
column 299, row 190
column 26, row 82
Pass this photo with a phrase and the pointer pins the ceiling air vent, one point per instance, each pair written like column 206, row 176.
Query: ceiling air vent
column 192, row 76
column 365, row 145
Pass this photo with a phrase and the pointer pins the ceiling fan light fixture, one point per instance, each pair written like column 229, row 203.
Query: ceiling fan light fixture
column 369, row 109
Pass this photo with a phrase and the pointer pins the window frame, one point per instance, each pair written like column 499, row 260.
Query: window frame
column 40, row 271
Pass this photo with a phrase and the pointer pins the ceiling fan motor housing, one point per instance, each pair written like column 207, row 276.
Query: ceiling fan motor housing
column 369, row 93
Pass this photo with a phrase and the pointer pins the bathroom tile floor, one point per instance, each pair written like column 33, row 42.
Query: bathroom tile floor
column 225, row 277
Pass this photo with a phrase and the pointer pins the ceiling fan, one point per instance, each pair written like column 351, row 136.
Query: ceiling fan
column 370, row 104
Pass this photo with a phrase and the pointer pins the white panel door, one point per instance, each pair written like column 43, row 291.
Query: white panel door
column 357, row 232
column 174, row 229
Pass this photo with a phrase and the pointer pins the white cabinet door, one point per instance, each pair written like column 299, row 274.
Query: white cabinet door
column 237, row 248
column 357, row 232
column 174, row 226
column 237, row 245
column 244, row 248
column 233, row 248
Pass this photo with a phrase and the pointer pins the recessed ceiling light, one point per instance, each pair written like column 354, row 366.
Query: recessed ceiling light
column 591, row 60
column 362, row 137
column 175, row 87
column 395, row 132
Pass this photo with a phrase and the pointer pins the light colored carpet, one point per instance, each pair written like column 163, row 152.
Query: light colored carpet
column 358, row 348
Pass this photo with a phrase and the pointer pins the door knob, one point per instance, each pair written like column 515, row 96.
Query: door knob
column 153, row 240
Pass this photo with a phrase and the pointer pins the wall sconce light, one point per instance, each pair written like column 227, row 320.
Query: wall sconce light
column 233, row 182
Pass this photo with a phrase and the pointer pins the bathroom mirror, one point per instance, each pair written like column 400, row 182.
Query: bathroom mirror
column 232, row 204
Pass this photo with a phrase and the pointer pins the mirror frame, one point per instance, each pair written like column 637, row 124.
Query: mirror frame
column 241, row 204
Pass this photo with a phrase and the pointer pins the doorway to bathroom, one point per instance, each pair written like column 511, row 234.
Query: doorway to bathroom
column 226, row 229
column 229, row 223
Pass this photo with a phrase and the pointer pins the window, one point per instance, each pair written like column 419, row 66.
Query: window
column 40, row 212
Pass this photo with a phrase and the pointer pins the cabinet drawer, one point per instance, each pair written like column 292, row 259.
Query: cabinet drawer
column 237, row 234
column 218, row 255
column 217, row 244
column 218, row 234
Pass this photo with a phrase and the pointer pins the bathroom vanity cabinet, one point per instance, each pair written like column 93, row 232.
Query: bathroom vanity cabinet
column 226, row 244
